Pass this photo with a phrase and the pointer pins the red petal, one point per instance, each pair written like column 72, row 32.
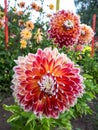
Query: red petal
column 51, row 65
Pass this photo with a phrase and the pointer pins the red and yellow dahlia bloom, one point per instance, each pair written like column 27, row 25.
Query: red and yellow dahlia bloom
column 64, row 28
column 86, row 34
column 46, row 83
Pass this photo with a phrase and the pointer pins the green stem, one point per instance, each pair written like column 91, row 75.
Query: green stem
column 57, row 5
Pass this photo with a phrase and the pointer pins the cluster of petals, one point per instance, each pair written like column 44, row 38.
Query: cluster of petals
column 51, row 6
column 26, row 34
column 21, row 4
column 46, row 83
column 23, row 43
column 38, row 36
column 86, row 34
column 29, row 25
column 19, row 13
column 64, row 28
column 35, row 7
column 79, row 47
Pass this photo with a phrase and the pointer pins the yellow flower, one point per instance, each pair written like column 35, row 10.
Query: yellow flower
column 29, row 25
column 86, row 48
column 38, row 36
column 51, row 6
column 14, row 20
column 23, row 43
column 26, row 34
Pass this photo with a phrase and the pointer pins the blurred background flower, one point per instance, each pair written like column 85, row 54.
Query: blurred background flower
column 86, row 34
column 64, row 28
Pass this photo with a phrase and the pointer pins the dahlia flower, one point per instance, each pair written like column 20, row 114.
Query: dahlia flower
column 46, row 83
column 79, row 47
column 29, row 25
column 21, row 4
column 86, row 34
column 23, row 43
column 20, row 22
column 87, row 48
column 51, row 6
column 38, row 36
column 35, row 7
column 64, row 28
column 19, row 13
column 26, row 34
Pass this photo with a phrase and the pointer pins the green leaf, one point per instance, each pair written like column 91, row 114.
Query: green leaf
column 45, row 122
column 31, row 118
column 12, row 108
column 87, row 76
column 13, row 118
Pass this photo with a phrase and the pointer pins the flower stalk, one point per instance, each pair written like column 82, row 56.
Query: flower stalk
column 57, row 5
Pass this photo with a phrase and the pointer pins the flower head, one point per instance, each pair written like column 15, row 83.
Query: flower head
column 19, row 13
column 23, row 43
column 29, row 25
column 51, row 6
column 86, row 34
column 21, row 4
column 20, row 22
column 46, row 83
column 35, row 7
column 79, row 47
column 86, row 48
column 38, row 35
column 26, row 34
column 64, row 28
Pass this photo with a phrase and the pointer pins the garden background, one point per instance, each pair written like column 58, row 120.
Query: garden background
column 26, row 35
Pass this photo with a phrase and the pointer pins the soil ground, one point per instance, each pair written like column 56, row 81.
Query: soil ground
column 84, row 123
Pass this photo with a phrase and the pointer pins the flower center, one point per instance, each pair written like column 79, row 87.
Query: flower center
column 68, row 24
column 82, row 32
column 48, row 85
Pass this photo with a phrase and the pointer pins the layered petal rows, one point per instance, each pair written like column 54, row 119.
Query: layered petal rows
column 86, row 34
column 46, row 83
column 64, row 28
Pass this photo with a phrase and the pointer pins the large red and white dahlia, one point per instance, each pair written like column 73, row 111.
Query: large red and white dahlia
column 46, row 83
column 64, row 28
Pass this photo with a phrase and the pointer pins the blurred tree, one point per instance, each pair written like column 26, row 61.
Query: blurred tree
column 86, row 9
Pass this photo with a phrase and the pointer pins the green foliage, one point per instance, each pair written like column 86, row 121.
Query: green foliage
column 7, row 56
column 21, row 120
column 85, row 7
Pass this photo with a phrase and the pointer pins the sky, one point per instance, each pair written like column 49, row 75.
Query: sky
column 64, row 4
